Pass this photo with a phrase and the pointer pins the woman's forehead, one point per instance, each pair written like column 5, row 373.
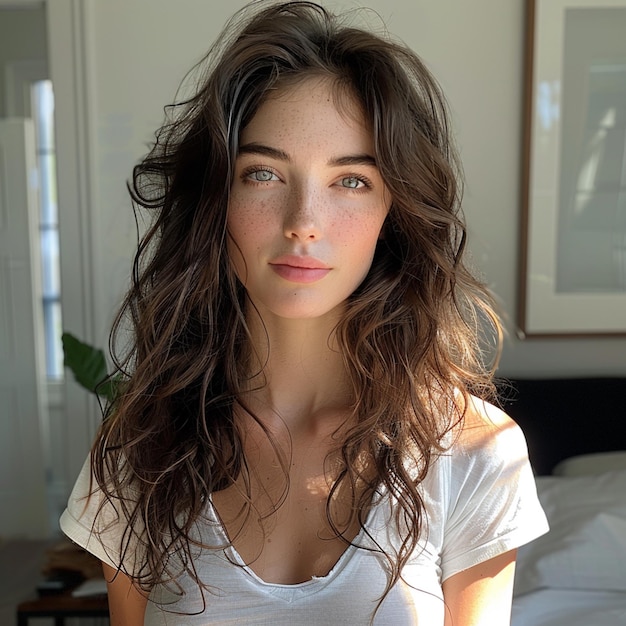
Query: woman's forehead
column 310, row 111
column 310, row 97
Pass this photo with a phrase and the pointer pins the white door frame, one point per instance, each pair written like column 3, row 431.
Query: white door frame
column 70, row 25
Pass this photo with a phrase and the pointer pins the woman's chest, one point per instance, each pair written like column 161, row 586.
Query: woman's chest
column 290, row 517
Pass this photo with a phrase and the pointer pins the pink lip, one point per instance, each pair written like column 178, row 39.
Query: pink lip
column 299, row 269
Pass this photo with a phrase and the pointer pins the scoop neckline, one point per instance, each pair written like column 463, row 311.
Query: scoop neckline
column 315, row 583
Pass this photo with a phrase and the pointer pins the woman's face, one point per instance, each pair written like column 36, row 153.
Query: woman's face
column 307, row 203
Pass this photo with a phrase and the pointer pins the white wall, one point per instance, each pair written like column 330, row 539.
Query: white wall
column 22, row 38
column 138, row 65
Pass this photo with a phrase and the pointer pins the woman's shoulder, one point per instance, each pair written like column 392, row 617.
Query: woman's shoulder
column 487, row 441
column 480, row 495
column 486, row 425
column 485, row 460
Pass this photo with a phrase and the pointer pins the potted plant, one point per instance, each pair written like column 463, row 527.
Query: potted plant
column 89, row 367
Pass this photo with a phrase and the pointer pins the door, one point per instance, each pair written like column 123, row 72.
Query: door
column 23, row 510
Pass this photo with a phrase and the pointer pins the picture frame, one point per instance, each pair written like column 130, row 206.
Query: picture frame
column 573, row 225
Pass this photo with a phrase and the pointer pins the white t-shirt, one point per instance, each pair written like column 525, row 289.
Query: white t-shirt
column 480, row 501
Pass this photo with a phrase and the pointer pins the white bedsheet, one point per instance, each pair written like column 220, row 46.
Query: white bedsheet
column 576, row 574
column 570, row 607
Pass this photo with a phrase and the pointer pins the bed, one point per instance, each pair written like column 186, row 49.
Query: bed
column 576, row 574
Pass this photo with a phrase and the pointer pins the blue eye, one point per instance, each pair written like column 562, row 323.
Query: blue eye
column 263, row 176
column 351, row 182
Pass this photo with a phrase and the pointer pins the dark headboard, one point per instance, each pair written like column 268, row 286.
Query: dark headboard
column 566, row 417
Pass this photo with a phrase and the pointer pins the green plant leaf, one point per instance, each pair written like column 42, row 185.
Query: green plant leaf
column 108, row 389
column 88, row 366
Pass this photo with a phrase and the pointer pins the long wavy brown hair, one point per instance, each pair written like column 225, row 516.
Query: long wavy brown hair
column 415, row 333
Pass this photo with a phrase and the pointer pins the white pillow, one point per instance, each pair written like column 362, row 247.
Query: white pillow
column 586, row 545
column 587, row 464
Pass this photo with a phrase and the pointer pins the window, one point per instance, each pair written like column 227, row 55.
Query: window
column 42, row 102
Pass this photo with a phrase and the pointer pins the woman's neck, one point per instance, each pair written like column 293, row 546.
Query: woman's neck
column 303, row 377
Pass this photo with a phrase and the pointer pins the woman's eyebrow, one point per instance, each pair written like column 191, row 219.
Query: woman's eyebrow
column 281, row 155
column 354, row 159
column 259, row 148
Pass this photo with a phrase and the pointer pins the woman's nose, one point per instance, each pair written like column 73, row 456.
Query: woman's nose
column 303, row 217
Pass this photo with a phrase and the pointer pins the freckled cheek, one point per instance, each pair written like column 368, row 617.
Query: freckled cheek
column 249, row 220
column 358, row 231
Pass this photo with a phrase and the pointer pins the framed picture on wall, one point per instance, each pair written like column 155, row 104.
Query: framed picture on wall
column 573, row 247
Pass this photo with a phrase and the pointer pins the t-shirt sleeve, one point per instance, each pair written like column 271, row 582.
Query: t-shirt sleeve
column 92, row 521
column 492, row 502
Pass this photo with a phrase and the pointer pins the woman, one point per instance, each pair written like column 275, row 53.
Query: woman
column 298, row 437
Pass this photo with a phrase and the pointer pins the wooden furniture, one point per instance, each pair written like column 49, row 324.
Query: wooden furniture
column 61, row 606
